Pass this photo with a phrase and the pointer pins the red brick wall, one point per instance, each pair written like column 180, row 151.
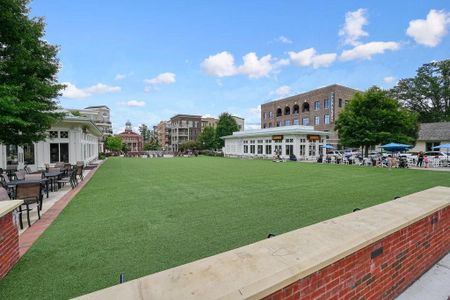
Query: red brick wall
column 9, row 244
column 381, row 270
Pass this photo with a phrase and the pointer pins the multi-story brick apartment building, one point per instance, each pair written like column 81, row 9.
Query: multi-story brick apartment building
column 133, row 140
column 184, row 128
column 318, row 108
column 162, row 133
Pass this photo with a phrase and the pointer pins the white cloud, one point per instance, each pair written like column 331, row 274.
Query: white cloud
column 136, row 103
column 389, row 79
column 366, row 51
column 101, row 88
column 208, row 116
column 308, row 57
column 284, row 39
column 73, row 92
column 220, row 65
column 120, row 76
column 163, row 78
column 352, row 30
column 255, row 111
column 254, row 67
column 282, row 91
column 429, row 32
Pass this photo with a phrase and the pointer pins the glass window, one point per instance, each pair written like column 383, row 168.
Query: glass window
column 326, row 103
column 64, row 134
column 54, row 153
column 270, row 114
column 305, row 121
column 295, row 121
column 265, row 116
column 289, row 149
column 270, row 125
column 326, row 119
column 278, row 123
column 268, row 149
column 252, row 149
column 279, row 112
column 28, row 154
column 340, row 102
column 316, row 120
column 53, row 134
column 317, row 105
column 287, row 122
column 60, row 152
column 287, row 110
column 302, row 150
column 245, row 149
column 260, row 149
column 264, row 126
column 296, row 109
column 305, row 107
column 11, row 155
column 64, row 150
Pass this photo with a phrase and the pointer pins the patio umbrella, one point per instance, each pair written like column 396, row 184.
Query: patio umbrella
column 394, row 147
column 444, row 146
column 328, row 147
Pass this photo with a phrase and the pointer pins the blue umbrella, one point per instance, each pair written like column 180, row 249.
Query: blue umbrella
column 328, row 147
column 445, row 146
column 394, row 147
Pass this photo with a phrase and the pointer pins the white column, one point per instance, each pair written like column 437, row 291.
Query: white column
column 2, row 156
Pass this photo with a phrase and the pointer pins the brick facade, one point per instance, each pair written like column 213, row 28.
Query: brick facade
column 381, row 270
column 298, row 109
column 9, row 244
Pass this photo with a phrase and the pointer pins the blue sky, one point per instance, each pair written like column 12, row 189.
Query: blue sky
column 148, row 60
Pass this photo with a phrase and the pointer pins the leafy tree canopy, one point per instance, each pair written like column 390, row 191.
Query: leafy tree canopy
column 145, row 132
column 427, row 94
column 373, row 118
column 152, row 145
column 208, row 138
column 189, row 145
column 28, row 68
column 225, row 126
column 114, row 143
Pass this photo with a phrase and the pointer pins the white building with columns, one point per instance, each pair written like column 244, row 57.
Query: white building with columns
column 72, row 139
column 302, row 141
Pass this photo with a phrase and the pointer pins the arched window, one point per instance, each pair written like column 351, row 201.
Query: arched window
column 279, row 112
column 287, row 110
column 296, row 109
column 305, row 107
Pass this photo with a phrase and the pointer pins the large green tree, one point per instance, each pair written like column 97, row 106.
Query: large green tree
column 153, row 144
column 208, row 138
column 114, row 143
column 373, row 118
column 145, row 132
column 28, row 68
column 225, row 126
column 428, row 93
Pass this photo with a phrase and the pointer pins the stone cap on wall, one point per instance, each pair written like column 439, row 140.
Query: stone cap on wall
column 259, row 269
column 8, row 206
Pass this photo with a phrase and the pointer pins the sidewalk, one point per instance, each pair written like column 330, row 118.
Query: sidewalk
column 433, row 285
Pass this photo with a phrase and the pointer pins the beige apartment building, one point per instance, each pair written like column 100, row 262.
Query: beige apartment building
column 209, row 121
column 162, row 133
column 318, row 108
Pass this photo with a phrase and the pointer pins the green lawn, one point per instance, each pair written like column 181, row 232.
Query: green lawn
column 141, row 216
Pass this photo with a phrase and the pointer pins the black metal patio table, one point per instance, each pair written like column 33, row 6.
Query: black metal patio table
column 53, row 177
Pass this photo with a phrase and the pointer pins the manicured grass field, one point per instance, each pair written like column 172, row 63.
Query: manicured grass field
column 141, row 216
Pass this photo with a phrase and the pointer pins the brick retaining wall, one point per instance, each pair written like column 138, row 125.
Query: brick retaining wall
column 381, row 270
column 9, row 244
